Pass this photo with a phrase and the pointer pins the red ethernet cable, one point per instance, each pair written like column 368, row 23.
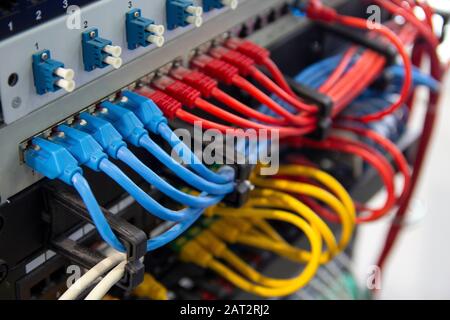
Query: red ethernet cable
column 429, row 123
column 247, row 67
column 209, row 89
column 399, row 159
column 229, row 75
column 370, row 155
column 339, row 71
column 423, row 28
column 317, row 11
column 191, row 98
column 166, row 88
column 262, row 57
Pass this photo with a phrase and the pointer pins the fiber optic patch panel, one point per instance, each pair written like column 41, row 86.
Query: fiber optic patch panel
column 29, row 110
column 140, row 63
column 102, row 169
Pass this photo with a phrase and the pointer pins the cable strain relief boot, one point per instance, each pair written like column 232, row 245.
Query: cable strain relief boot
column 145, row 109
column 103, row 132
column 180, row 91
column 168, row 105
column 235, row 58
column 197, row 80
column 81, row 145
column 193, row 252
column 250, row 49
column 211, row 243
column 52, row 160
column 317, row 11
column 125, row 121
column 216, row 68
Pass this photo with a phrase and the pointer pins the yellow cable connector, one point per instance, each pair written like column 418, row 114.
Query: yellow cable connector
column 151, row 289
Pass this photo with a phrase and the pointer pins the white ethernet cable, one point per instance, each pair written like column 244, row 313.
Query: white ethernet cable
column 102, row 288
column 93, row 274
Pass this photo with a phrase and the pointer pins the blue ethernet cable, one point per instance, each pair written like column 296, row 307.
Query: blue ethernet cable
column 112, row 142
column 174, row 232
column 155, row 121
column 419, row 78
column 181, row 227
column 89, row 153
column 55, row 162
column 133, row 131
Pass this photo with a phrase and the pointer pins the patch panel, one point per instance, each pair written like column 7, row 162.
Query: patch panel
column 62, row 37
column 42, row 125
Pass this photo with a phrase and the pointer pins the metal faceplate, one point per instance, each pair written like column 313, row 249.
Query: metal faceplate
column 65, row 46
column 37, row 113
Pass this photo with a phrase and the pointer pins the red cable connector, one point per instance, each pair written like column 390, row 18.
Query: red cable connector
column 250, row 49
column 229, row 74
column 243, row 62
column 317, row 11
column 187, row 95
column 196, row 79
column 168, row 105
column 216, row 68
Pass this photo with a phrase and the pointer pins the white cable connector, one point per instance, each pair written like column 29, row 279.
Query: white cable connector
column 157, row 40
column 195, row 11
column 196, row 21
column 115, row 62
column 67, row 74
column 157, row 29
column 115, row 51
column 232, row 4
column 68, row 85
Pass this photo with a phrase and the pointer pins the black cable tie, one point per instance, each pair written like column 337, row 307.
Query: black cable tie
column 61, row 200
column 388, row 51
column 323, row 102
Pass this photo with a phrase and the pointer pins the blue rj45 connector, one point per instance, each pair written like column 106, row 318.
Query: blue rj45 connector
column 99, row 52
column 209, row 5
column 50, row 75
column 145, row 109
column 81, row 145
column 125, row 121
column 181, row 13
column 52, row 160
column 142, row 31
column 103, row 132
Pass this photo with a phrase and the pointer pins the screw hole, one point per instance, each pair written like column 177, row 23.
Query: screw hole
column 13, row 79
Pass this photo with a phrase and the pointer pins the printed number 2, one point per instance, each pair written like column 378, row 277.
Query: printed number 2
column 38, row 15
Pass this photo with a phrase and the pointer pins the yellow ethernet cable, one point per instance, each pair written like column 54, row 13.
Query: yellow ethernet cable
column 219, row 249
column 151, row 289
column 264, row 228
column 324, row 178
column 266, row 198
column 272, row 198
column 193, row 252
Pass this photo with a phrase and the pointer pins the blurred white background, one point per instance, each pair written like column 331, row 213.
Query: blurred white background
column 419, row 267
